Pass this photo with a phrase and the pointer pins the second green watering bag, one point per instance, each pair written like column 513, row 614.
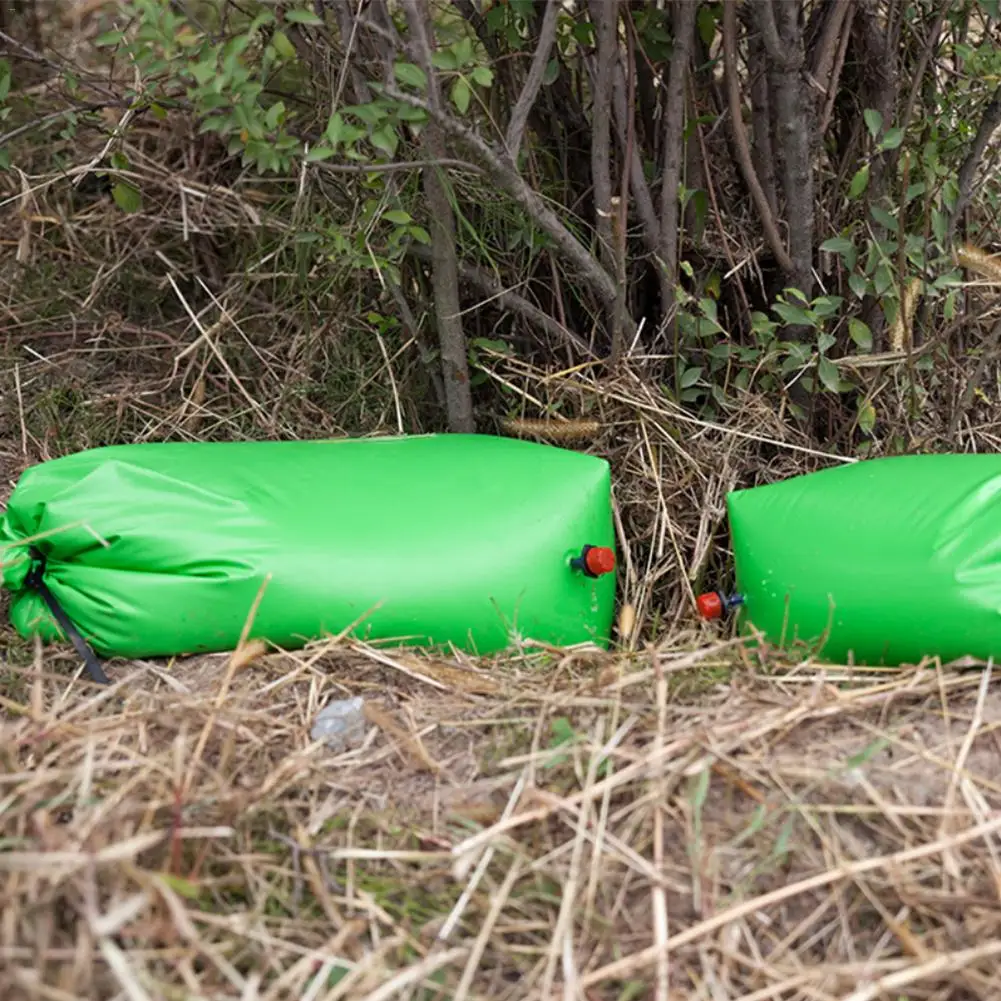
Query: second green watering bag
column 884, row 561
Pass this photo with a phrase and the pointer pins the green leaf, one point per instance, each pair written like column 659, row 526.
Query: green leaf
column 866, row 417
column 483, row 76
column 444, row 59
column 386, row 139
column 892, row 139
column 410, row 75
column 126, row 197
column 827, row 305
column 461, row 95
column 690, row 376
column 282, row 45
column 706, row 21
column 552, row 72
column 463, row 50
column 939, row 225
column 859, row 182
column 420, row 234
column 109, row 38
column 398, row 216
column 873, row 121
column 180, row 885
column 827, row 371
column 793, row 315
column 838, row 245
column 334, row 129
column 302, row 17
column 885, row 218
column 274, row 115
column 860, row 333
column 318, row 153
column 883, row 278
column 562, row 732
column 825, row 342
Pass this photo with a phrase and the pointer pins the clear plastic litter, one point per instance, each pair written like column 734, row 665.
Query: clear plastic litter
column 341, row 724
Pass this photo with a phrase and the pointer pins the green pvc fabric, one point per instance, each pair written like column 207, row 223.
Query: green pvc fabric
column 162, row 549
column 882, row 562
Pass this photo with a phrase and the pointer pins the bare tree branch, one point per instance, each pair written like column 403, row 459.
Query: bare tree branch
column 989, row 124
column 509, row 300
column 919, row 72
column 740, row 136
column 536, row 73
column 824, row 56
column 674, row 128
column 645, row 208
column 762, row 127
column 604, row 16
column 508, row 179
column 769, row 31
column 445, row 271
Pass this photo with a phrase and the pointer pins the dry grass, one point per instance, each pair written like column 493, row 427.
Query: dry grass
column 594, row 827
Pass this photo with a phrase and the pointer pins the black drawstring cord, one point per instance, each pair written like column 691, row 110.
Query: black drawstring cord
column 36, row 581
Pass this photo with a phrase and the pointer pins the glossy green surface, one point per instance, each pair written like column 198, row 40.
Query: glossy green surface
column 893, row 559
column 461, row 539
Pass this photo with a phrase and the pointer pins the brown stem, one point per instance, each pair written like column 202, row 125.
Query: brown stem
column 533, row 83
column 740, row 139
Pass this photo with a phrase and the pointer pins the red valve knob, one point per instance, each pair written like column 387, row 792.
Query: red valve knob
column 600, row 560
column 710, row 605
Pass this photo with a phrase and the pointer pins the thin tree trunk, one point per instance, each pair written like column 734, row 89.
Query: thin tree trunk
column 783, row 38
column 445, row 267
column 674, row 150
column 605, row 18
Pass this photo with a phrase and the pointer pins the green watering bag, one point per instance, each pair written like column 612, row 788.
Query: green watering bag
column 884, row 561
column 161, row 549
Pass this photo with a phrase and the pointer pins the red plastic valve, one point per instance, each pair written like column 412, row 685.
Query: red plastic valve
column 600, row 560
column 710, row 605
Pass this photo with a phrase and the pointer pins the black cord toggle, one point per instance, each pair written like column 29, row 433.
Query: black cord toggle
column 36, row 580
